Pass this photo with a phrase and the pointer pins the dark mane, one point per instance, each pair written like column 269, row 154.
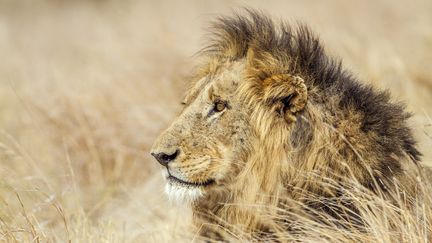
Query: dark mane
column 302, row 54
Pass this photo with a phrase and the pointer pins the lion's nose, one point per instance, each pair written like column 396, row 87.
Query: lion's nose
column 164, row 158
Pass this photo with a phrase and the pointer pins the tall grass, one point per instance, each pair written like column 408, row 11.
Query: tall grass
column 365, row 217
column 85, row 87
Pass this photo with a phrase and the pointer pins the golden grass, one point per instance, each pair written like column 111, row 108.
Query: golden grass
column 85, row 88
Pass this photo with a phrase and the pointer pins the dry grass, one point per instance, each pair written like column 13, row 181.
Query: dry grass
column 86, row 86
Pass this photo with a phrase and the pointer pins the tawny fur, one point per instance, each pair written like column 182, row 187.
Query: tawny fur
column 294, row 119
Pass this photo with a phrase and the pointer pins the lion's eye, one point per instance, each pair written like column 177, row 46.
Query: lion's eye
column 219, row 106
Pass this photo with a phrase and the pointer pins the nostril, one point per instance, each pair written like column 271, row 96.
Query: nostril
column 164, row 158
column 171, row 157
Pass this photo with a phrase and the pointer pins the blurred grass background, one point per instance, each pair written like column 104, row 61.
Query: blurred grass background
column 86, row 86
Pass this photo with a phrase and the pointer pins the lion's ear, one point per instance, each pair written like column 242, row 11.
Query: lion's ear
column 286, row 94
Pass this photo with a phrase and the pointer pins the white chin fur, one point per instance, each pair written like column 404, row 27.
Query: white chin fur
column 182, row 194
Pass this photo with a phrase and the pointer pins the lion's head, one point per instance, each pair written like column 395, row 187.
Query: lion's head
column 207, row 145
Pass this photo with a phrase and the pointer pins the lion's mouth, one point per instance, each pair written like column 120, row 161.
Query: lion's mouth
column 193, row 184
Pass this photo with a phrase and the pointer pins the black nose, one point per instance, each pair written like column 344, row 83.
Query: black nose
column 164, row 158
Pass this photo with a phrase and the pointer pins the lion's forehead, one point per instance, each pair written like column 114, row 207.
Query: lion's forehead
column 223, row 80
column 230, row 76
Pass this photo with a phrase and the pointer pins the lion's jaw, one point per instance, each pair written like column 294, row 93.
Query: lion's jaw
column 182, row 194
column 179, row 192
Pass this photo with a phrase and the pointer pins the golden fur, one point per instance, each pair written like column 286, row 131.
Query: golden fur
column 292, row 120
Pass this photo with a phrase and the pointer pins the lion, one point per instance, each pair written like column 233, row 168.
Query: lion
column 269, row 117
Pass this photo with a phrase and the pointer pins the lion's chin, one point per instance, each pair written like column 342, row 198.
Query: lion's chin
column 183, row 194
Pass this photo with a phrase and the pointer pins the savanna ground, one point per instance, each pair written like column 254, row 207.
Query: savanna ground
column 85, row 87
